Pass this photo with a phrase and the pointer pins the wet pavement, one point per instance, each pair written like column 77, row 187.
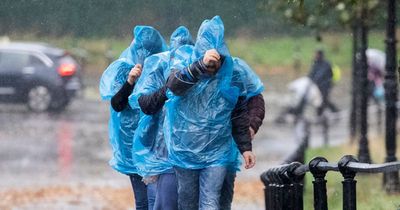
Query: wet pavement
column 60, row 161
column 67, row 146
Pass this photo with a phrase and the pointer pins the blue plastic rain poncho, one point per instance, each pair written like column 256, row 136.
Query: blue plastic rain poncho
column 246, row 79
column 122, row 125
column 150, row 153
column 249, row 85
column 198, row 124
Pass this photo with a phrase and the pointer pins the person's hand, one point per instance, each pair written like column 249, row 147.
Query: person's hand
column 149, row 179
column 212, row 60
column 134, row 74
column 252, row 133
column 249, row 159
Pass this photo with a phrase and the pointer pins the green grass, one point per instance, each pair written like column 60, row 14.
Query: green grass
column 282, row 51
column 370, row 193
column 269, row 55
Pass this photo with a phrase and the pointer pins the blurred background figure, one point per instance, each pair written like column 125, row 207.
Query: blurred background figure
column 322, row 75
column 376, row 60
column 312, row 91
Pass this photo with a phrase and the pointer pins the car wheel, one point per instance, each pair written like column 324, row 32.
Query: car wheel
column 39, row 98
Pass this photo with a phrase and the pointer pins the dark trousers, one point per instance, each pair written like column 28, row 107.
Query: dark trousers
column 326, row 104
column 225, row 201
column 167, row 192
column 140, row 192
column 144, row 194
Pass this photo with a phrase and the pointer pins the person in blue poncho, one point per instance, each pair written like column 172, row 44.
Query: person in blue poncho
column 198, row 127
column 117, row 83
column 152, row 99
column 150, row 153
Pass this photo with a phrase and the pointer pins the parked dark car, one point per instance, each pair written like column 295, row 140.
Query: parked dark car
column 38, row 74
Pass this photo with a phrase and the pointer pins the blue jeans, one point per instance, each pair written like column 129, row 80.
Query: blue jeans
column 144, row 195
column 151, row 194
column 167, row 192
column 227, row 191
column 200, row 188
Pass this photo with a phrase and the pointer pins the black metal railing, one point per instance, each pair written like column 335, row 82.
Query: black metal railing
column 284, row 188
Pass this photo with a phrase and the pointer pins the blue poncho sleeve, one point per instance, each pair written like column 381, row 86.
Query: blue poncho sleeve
column 246, row 79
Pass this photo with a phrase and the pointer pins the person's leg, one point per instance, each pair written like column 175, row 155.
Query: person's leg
column 324, row 104
column 188, row 188
column 332, row 106
column 151, row 194
column 225, row 201
column 140, row 192
column 211, row 180
column 167, row 192
column 329, row 105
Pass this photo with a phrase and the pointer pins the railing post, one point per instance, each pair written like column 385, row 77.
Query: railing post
column 298, row 196
column 270, row 189
column 267, row 190
column 296, row 186
column 363, row 150
column 280, row 197
column 391, row 180
column 272, row 197
column 319, row 183
column 349, row 184
column 283, row 188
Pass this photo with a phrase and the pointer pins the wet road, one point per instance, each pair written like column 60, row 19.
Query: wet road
column 60, row 161
column 52, row 147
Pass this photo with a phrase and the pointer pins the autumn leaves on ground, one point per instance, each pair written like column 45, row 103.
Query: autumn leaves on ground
column 100, row 197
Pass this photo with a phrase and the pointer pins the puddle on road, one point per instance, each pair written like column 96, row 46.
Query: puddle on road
column 69, row 146
column 65, row 134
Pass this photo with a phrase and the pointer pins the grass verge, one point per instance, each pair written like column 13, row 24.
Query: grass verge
column 268, row 55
